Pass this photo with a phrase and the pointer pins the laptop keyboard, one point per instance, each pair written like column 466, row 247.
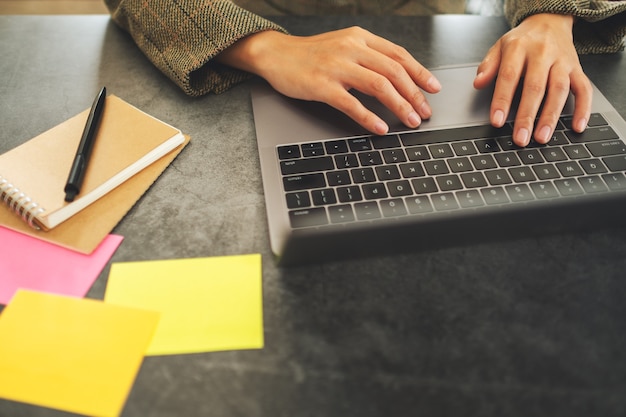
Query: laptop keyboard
column 343, row 181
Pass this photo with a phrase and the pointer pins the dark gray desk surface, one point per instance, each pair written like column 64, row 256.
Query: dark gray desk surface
column 519, row 328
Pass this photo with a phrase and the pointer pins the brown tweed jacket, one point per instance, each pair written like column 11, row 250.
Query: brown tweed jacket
column 600, row 26
column 181, row 37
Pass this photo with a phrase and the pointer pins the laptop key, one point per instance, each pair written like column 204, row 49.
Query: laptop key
column 424, row 185
column 546, row 172
column 519, row 192
column 462, row 164
column 449, row 182
column 338, row 178
column 616, row 182
column 299, row 199
column 349, row 194
column 507, row 159
column 367, row 211
column 592, row 134
column 393, row 208
column 593, row 184
column 595, row 119
column 530, row 156
column 568, row 187
column 544, row 190
column 370, row 158
column 374, row 191
column 392, row 156
column 484, row 162
column 346, row 161
column 336, row 146
column 385, row 142
column 470, row 198
column 444, row 202
column 418, row 153
column 301, row 166
column 304, row 182
column 362, row 175
column 495, row 195
column 522, row 174
column 341, row 214
column 464, row 148
column 360, row 144
column 412, row 170
column 419, row 205
column 454, row 135
column 308, row 217
column 576, row 151
column 570, row 169
column 553, row 154
column 312, row 149
column 499, row 176
column 487, row 145
column 593, row 166
column 616, row 163
column 474, row 179
column 611, row 147
column 324, row 197
column 436, row 167
column 388, row 172
column 289, row 152
column 442, row 150
column 399, row 188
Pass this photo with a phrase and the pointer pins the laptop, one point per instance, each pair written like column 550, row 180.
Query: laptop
column 335, row 191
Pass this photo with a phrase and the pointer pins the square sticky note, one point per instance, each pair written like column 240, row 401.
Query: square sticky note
column 33, row 264
column 206, row 304
column 71, row 354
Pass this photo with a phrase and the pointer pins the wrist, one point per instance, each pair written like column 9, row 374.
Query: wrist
column 250, row 53
column 551, row 19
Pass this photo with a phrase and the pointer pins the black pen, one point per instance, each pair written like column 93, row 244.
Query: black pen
column 81, row 160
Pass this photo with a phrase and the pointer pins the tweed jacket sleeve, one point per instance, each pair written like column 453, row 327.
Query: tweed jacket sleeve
column 181, row 37
column 600, row 24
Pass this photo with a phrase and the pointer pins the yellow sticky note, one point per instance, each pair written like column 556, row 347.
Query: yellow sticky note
column 206, row 304
column 71, row 354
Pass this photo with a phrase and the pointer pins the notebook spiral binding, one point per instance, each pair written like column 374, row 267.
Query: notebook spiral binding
column 20, row 203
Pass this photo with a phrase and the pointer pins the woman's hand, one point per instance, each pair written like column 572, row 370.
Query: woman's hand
column 539, row 53
column 325, row 67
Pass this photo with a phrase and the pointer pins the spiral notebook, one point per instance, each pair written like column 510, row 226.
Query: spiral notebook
column 131, row 150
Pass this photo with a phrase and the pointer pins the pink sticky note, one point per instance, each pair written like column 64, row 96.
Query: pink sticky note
column 29, row 263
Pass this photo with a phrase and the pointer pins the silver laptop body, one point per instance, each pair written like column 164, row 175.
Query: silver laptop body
column 428, row 200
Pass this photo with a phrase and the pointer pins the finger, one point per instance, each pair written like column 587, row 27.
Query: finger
column 416, row 71
column 509, row 74
column 345, row 102
column 488, row 68
column 583, row 93
column 558, row 91
column 533, row 93
column 389, row 81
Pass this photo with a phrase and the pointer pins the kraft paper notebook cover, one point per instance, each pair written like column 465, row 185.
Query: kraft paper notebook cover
column 40, row 167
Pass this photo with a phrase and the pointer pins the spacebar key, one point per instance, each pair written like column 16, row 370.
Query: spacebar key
column 304, row 182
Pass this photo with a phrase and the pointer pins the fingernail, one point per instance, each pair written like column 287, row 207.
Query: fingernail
column 426, row 110
column 581, row 125
column 381, row 128
column 543, row 135
column 523, row 137
column 434, row 84
column 498, row 118
column 414, row 119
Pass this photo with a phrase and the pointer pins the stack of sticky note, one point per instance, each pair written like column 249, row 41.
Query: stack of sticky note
column 80, row 355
